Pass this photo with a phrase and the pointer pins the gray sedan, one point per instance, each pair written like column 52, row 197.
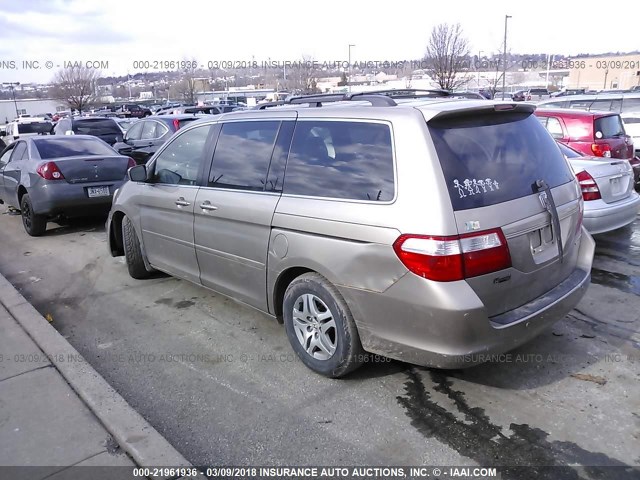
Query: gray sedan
column 610, row 201
column 48, row 177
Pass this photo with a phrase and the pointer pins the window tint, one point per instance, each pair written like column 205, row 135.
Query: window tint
column 242, row 155
column 629, row 104
column 96, row 127
column 36, row 127
column 554, row 127
column 57, row 147
column 496, row 157
column 148, row 131
column 19, row 151
column 135, row 131
column 160, row 129
column 604, row 105
column 275, row 177
column 180, row 162
column 350, row 160
column 580, row 104
column 609, row 127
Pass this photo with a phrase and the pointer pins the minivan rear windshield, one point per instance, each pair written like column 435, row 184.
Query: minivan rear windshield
column 35, row 127
column 609, row 127
column 495, row 157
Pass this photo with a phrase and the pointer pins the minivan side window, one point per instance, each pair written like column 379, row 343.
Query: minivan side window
column 345, row 160
column 243, row 154
column 179, row 163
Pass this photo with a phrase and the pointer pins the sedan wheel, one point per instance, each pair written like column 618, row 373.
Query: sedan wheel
column 34, row 224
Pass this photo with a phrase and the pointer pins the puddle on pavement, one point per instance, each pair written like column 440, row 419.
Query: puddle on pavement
column 619, row 281
column 477, row 438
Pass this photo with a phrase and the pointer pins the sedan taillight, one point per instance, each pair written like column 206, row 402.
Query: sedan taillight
column 589, row 187
column 601, row 149
column 49, row 171
column 456, row 257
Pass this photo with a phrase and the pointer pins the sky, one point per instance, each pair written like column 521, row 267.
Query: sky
column 123, row 32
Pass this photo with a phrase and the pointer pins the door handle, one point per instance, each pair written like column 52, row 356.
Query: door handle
column 207, row 206
column 181, row 202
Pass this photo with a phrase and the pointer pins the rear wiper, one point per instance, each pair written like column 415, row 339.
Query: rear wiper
column 546, row 198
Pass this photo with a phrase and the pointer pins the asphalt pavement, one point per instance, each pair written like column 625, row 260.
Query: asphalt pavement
column 220, row 382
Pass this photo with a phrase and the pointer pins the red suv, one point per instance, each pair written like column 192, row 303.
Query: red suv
column 597, row 134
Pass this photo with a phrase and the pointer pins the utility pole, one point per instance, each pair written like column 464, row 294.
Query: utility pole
column 349, row 76
column 12, row 86
column 478, row 69
column 504, row 57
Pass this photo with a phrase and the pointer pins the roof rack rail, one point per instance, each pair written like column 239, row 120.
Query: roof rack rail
column 318, row 99
column 407, row 93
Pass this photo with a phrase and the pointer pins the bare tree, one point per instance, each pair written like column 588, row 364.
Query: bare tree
column 447, row 55
column 303, row 77
column 75, row 85
column 187, row 86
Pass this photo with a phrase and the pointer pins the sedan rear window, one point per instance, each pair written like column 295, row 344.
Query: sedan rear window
column 96, row 127
column 58, row 147
column 184, row 121
column 495, row 157
column 35, row 127
column 609, row 127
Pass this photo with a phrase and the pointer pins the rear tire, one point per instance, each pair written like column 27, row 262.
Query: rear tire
column 34, row 224
column 132, row 251
column 320, row 326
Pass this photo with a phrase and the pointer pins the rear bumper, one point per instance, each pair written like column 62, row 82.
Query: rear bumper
column 446, row 325
column 600, row 217
column 71, row 200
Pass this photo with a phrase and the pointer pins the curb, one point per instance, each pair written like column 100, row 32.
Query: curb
column 132, row 432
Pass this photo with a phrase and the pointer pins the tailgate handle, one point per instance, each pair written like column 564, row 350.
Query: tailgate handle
column 546, row 198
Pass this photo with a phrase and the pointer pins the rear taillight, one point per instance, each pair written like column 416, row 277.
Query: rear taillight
column 132, row 163
column 446, row 259
column 588, row 185
column 50, row 171
column 601, row 149
column 176, row 124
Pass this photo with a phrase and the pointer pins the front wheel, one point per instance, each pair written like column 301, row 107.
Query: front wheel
column 34, row 224
column 320, row 326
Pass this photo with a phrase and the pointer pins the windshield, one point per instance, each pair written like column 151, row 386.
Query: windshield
column 35, row 127
column 58, row 147
column 495, row 157
column 609, row 127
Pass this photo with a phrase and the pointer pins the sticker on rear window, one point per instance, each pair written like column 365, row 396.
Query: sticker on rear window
column 475, row 186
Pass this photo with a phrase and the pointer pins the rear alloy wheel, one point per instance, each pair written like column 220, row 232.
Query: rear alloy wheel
column 133, row 251
column 34, row 224
column 320, row 326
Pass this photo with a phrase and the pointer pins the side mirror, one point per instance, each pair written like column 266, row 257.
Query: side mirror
column 138, row 173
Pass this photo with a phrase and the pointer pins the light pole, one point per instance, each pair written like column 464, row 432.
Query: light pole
column 12, row 86
column 504, row 56
column 549, row 57
column 478, row 69
column 349, row 75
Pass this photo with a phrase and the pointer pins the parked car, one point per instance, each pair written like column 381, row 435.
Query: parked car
column 309, row 214
column 610, row 201
column 23, row 128
column 502, row 96
column 569, row 91
column 146, row 136
column 66, row 176
column 598, row 134
column 134, row 110
column 607, row 102
column 102, row 127
column 194, row 110
column 125, row 123
column 631, row 122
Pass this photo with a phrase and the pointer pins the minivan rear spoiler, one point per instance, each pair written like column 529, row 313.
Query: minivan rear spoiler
column 492, row 109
